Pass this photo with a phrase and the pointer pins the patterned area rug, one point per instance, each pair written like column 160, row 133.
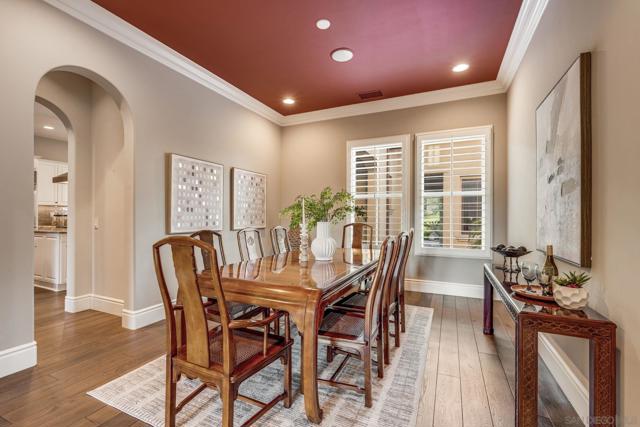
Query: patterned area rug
column 140, row 393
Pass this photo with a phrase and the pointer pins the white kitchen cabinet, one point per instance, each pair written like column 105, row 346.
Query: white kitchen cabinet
column 50, row 259
column 48, row 193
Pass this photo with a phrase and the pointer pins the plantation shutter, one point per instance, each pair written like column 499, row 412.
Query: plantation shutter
column 454, row 204
column 377, row 183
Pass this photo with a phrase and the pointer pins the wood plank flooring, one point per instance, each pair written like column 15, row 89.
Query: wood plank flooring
column 467, row 384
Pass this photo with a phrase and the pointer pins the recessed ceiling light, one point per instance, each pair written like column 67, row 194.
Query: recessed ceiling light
column 342, row 55
column 323, row 24
column 289, row 101
column 47, row 127
column 460, row 68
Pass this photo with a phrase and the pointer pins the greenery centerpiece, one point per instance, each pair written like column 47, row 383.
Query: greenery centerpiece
column 320, row 211
column 327, row 207
column 569, row 291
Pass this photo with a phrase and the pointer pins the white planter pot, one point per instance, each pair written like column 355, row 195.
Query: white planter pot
column 323, row 246
column 571, row 298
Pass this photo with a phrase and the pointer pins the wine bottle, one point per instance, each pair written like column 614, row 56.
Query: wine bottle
column 550, row 263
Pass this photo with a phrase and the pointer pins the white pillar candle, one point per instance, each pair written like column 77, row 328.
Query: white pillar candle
column 304, row 220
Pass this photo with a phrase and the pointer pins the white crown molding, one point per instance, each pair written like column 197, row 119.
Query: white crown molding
column 17, row 358
column 120, row 30
column 113, row 26
column 526, row 23
column 398, row 103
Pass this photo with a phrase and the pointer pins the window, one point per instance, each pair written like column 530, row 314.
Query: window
column 453, row 210
column 378, row 177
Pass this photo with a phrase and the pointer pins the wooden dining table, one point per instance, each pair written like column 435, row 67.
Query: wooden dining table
column 303, row 289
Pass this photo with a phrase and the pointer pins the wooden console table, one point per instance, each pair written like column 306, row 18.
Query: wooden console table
column 531, row 317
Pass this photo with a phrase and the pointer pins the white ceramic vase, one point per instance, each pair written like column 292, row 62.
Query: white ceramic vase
column 571, row 298
column 323, row 246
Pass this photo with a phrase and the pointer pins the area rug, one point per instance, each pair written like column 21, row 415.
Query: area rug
column 140, row 393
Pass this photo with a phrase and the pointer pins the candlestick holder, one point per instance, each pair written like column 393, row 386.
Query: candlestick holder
column 304, row 244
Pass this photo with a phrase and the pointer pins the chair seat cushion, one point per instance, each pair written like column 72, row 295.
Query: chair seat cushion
column 342, row 325
column 234, row 309
column 248, row 348
column 357, row 300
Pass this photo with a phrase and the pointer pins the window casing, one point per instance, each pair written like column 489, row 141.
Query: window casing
column 454, row 209
column 378, row 176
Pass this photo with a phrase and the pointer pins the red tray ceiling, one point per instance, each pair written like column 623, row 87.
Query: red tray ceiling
column 272, row 49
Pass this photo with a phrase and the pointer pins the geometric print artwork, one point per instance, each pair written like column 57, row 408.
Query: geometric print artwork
column 197, row 195
column 249, row 199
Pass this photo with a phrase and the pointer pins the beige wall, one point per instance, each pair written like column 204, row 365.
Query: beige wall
column 164, row 112
column 50, row 149
column 609, row 29
column 314, row 156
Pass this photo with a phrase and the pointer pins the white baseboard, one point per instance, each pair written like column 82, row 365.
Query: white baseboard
column 17, row 358
column 107, row 305
column 571, row 381
column 135, row 319
column 94, row 302
column 77, row 304
column 444, row 288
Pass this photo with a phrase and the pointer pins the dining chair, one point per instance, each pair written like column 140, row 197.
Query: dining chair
column 393, row 300
column 250, row 244
column 361, row 235
column 213, row 238
column 351, row 333
column 236, row 310
column 280, row 240
column 222, row 357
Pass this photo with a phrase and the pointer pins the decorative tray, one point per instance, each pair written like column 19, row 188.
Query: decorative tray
column 535, row 293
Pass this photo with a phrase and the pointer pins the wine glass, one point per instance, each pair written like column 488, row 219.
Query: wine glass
column 545, row 278
column 529, row 272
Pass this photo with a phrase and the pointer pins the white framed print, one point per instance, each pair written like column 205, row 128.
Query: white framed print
column 196, row 195
column 248, row 199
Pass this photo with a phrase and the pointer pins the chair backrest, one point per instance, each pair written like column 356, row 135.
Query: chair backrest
column 210, row 237
column 250, row 244
column 361, row 235
column 280, row 240
column 189, row 314
column 404, row 241
column 381, row 279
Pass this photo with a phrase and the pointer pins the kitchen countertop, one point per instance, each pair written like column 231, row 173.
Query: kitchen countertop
column 50, row 229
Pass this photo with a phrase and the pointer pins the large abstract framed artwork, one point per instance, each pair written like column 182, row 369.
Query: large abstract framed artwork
column 563, row 134
column 248, row 199
column 195, row 194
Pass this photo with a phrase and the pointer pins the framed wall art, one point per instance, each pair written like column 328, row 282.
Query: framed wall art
column 195, row 195
column 248, row 199
column 563, row 145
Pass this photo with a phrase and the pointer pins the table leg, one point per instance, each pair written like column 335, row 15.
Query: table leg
column 602, row 386
column 310, row 362
column 488, row 307
column 526, row 374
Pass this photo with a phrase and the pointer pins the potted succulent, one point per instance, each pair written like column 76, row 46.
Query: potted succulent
column 321, row 210
column 569, row 291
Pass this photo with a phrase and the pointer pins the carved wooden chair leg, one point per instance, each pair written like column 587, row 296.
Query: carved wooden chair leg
column 385, row 334
column 330, row 354
column 170, row 399
column 402, row 313
column 301, row 364
column 287, row 380
column 380, row 350
column 396, row 325
column 227, row 395
column 367, row 376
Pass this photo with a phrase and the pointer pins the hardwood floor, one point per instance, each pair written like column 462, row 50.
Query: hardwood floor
column 466, row 382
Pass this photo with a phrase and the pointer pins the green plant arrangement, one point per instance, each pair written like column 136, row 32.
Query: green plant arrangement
column 325, row 207
column 573, row 280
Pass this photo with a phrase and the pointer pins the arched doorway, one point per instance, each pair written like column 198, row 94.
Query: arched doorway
column 99, row 266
